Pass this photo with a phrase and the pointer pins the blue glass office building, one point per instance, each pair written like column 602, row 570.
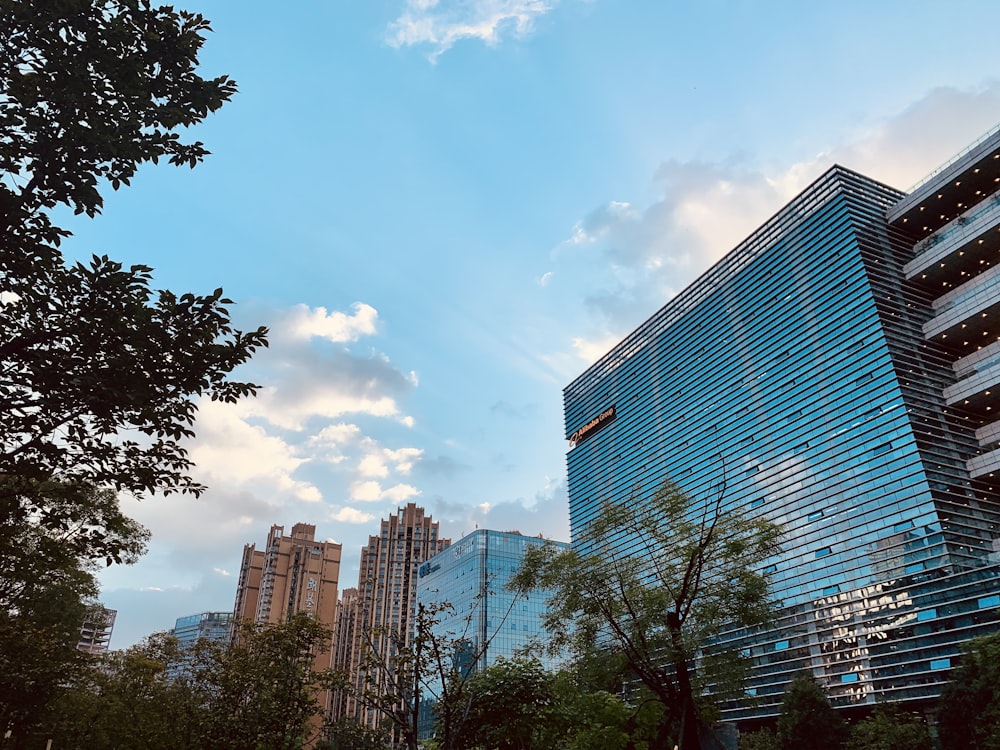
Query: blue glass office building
column 471, row 575
column 485, row 621
column 839, row 371
column 214, row 626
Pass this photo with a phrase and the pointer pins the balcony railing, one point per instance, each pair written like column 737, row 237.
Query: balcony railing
column 957, row 157
column 960, row 225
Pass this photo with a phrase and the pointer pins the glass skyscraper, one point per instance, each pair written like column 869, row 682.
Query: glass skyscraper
column 838, row 372
column 471, row 575
column 484, row 621
column 213, row 626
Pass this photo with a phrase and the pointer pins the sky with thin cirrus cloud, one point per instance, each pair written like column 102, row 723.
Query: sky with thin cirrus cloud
column 446, row 209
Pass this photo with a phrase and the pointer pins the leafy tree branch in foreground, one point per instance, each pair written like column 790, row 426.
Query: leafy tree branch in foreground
column 100, row 374
column 656, row 580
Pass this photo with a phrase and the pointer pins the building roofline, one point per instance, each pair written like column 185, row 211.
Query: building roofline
column 810, row 198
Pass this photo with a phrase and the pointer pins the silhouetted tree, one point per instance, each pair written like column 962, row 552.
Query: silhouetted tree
column 99, row 374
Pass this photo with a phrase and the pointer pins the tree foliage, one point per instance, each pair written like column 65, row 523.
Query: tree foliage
column 99, row 374
column 349, row 734
column 99, row 379
column 657, row 579
column 128, row 698
column 969, row 710
column 890, row 728
column 807, row 719
column 38, row 638
column 510, row 703
column 404, row 675
column 89, row 90
column 263, row 691
column 51, row 537
column 760, row 739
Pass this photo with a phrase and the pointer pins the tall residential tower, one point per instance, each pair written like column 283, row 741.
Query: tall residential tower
column 379, row 615
column 293, row 573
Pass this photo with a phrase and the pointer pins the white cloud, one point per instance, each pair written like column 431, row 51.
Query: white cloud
column 290, row 408
column 232, row 452
column 352, row 515
column 403, row 458
column 221, row 572
column 304, row 378
column 401, row 493
column 336, row 434
column 442, row 23
column 371, row 491
column 366, row 492
column 377, row 462
column 304, row 322
column 591, row 350
column 373, row 465
column 330, row 442
column 642, row 257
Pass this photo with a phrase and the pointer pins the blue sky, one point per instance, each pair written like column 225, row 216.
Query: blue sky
column 446, row 209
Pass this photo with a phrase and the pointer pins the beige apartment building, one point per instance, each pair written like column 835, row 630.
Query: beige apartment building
column 293, row 573
column 377, row 617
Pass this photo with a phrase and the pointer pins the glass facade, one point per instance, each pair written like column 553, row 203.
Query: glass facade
column 797, row 378
column 484, row 621
column 214, row 626
column 472, row 576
